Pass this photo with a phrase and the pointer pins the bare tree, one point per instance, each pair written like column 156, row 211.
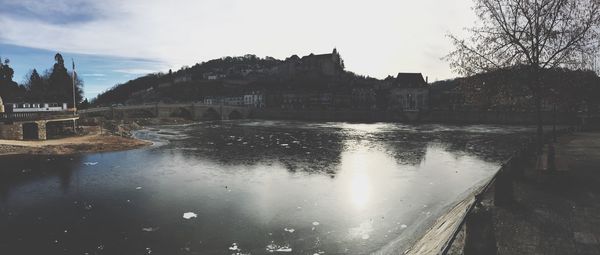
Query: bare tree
column 538, row 34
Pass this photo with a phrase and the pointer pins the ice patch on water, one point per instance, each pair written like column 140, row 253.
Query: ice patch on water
column 234, row 247
column 278, row 248
column 316, row 223
column 403, row 226
column 291, row 230
column 138, row 188
column 90, row 163
column 362, row 231
column 284, row 249
column 150, row 229
column 189, row 215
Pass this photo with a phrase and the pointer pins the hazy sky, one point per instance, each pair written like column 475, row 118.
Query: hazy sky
column 113, row 41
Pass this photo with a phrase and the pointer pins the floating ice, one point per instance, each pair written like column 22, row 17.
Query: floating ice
column 291, row 230
column 189, row 215
column 148, row 251
column 90, row 163
column 284, row 144
column 138, row 188
column 316, row 223
column 365, row 236
column 284, row 249
column 403, row 226
column 150, row 229
column 234, row 247
column 277, row 248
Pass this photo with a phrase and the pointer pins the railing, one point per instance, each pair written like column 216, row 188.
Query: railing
column 152, row 105
column 21, row 116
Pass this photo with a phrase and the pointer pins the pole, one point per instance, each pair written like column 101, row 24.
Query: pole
column 74, row 101
column 554, row 123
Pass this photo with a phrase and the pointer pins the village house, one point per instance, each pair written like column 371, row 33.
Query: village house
column 183, row 78
column 409, row 92
column 255, row 99
column 363, row 98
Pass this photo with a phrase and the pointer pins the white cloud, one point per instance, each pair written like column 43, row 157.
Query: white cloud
column 375, row 38
column 134, row 71
column 93, row 74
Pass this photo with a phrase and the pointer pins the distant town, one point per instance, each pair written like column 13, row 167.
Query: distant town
column 320, row 82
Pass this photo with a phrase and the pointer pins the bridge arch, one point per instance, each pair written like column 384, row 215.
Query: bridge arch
column 181, row 112
column 211, row 114
column 30, row 131
column 137, row 113
column 235, row 115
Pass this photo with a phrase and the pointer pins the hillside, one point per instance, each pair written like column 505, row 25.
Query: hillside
column 235, row 76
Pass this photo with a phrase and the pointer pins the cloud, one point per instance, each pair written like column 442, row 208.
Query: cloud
column 134, row 71
column 93, row 74
column 376, row 39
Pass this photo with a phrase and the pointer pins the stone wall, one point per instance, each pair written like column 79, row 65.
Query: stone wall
column 11, row 131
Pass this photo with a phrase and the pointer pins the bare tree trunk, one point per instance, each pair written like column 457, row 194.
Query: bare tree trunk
column 538, row 107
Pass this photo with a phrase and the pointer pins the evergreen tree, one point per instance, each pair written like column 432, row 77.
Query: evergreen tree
column 36, row 87
column 9, row 90
column 60, row 84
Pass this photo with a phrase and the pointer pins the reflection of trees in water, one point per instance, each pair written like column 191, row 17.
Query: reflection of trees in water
column 18, row 170
column 306, row 150
column 410, row 148
column 318, row 150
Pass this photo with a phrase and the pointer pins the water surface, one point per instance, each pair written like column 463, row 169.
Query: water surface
column 256, row 187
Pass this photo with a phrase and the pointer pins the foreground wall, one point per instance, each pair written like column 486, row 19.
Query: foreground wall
column 11, row 131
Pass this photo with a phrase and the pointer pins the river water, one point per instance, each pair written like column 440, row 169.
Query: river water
column 249, row 187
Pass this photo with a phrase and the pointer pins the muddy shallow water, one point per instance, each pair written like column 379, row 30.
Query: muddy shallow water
column 244, row 187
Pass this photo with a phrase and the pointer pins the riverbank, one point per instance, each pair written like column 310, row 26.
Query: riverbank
column 93, row 141
column 543, row 211
column 559, row 212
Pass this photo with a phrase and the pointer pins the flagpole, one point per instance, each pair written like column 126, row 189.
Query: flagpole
column 74, row 100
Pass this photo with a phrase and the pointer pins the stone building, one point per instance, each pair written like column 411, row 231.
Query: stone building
column 328, row 65
column 1, row 105
column 254, row 99
column 409, row 92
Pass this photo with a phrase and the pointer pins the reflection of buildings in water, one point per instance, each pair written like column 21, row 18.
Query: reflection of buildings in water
column 299, row 150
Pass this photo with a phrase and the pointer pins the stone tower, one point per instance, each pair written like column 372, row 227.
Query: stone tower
column 1, row 105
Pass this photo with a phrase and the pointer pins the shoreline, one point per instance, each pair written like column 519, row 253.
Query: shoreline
column 89, row 143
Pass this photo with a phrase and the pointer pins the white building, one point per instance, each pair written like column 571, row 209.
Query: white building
column 37, row 107
column 255, row 99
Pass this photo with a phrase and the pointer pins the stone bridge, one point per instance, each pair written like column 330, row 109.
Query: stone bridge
column 34, row 125
column 193, row 111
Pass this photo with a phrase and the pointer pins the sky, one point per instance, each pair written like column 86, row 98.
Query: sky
column 113, row 41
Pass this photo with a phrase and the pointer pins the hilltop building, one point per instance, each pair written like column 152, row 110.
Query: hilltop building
column 328, row 65
column 1, row 105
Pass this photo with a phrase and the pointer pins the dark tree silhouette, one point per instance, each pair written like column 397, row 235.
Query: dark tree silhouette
column 60, row 83
column 10, row 91
column 36, row 87
column 539, row 34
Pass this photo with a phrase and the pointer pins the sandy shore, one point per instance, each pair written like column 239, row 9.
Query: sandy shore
column 93, row 142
